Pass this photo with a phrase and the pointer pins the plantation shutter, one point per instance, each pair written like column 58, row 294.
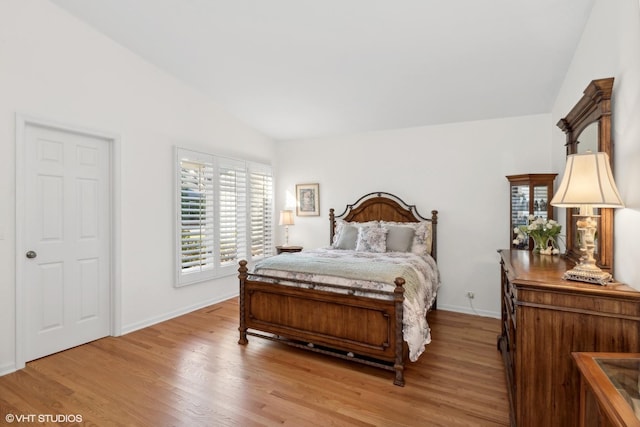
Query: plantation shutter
column 232, row 205
column 224, row 215
column 261, row 211
column 196, row 214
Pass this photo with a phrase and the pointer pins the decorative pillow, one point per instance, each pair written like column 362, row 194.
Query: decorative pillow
column 340, row 224
column 400, row 239
column 372, row 239
column 422, row 238
column 348, row 237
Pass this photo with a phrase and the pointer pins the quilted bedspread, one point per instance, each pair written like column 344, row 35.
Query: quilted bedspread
column 363, row 271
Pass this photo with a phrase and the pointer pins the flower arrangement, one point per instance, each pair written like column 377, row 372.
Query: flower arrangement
column 545, row 234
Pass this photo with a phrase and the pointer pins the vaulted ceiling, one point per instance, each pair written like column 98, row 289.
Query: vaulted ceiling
column 296, row 69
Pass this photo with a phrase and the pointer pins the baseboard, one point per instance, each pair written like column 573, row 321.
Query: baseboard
column 469, row 310
column 7, row 369
column 170, row 315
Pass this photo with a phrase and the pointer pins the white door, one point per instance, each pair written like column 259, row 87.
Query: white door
column 66, row 271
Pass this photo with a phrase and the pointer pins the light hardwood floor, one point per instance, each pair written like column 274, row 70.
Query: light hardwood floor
column 190, row 371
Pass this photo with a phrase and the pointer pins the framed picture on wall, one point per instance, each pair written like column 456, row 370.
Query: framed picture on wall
column 308, row 199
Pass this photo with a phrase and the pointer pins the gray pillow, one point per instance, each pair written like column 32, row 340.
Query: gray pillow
column 400, row 239
column 348, row 238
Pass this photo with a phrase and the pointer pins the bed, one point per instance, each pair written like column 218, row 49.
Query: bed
column 363, row 315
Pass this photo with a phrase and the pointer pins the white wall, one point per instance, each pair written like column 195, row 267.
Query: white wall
column 610, row 47
column 57, row 68
column 458, row 169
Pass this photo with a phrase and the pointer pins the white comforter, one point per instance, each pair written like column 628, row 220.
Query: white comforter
column 362, row 271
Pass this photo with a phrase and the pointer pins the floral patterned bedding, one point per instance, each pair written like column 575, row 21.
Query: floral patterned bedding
column 360, row 272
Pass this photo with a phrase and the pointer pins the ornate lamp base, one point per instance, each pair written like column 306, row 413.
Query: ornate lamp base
column 586, row 270
column 597, row 277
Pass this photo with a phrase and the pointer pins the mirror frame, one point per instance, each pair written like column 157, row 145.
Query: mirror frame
column 593, row 107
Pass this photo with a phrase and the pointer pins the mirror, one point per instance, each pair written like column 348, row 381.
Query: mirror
column 588, row 139
column 588, row 127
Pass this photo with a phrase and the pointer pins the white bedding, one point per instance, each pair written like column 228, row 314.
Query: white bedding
column 362, row 271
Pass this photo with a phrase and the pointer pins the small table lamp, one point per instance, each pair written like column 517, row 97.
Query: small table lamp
column 286, row 219
column 587, row 183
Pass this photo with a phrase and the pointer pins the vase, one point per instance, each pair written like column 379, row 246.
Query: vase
column 538, row 244
column 544, row 245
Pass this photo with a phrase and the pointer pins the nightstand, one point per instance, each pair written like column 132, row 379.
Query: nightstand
column 281, row 249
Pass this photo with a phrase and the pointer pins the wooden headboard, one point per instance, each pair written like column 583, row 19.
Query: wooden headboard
column 381, row 206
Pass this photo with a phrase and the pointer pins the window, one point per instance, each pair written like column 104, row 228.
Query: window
column 196, row 224
column 261, row 211
column 224, row 214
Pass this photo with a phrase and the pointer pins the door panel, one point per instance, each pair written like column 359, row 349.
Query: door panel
column 50, row 295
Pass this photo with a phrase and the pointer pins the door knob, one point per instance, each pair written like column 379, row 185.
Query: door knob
column 31, row 254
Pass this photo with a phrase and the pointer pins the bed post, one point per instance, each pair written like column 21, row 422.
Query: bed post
column 332, row 225
column 434, row 247
column 398, row 366
column 243, row 328
column 434, row 234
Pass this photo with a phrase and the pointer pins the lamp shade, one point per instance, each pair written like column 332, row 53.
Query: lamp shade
column 286, row 217
column 587, row 180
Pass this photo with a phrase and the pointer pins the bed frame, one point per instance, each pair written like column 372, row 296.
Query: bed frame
column 357, row 328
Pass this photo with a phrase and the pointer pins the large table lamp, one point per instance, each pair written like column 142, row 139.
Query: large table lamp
column 587, row 183
column 286, row 219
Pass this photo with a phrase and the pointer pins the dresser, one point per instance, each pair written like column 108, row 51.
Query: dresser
column 544, row 320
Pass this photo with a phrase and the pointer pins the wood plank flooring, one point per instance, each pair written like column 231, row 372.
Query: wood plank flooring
column 190, row 371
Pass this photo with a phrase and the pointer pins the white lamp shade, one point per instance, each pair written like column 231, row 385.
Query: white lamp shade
column 286, row 217
column 587, row 180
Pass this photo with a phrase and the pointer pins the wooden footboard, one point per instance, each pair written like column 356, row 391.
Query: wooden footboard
column 362, row 329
